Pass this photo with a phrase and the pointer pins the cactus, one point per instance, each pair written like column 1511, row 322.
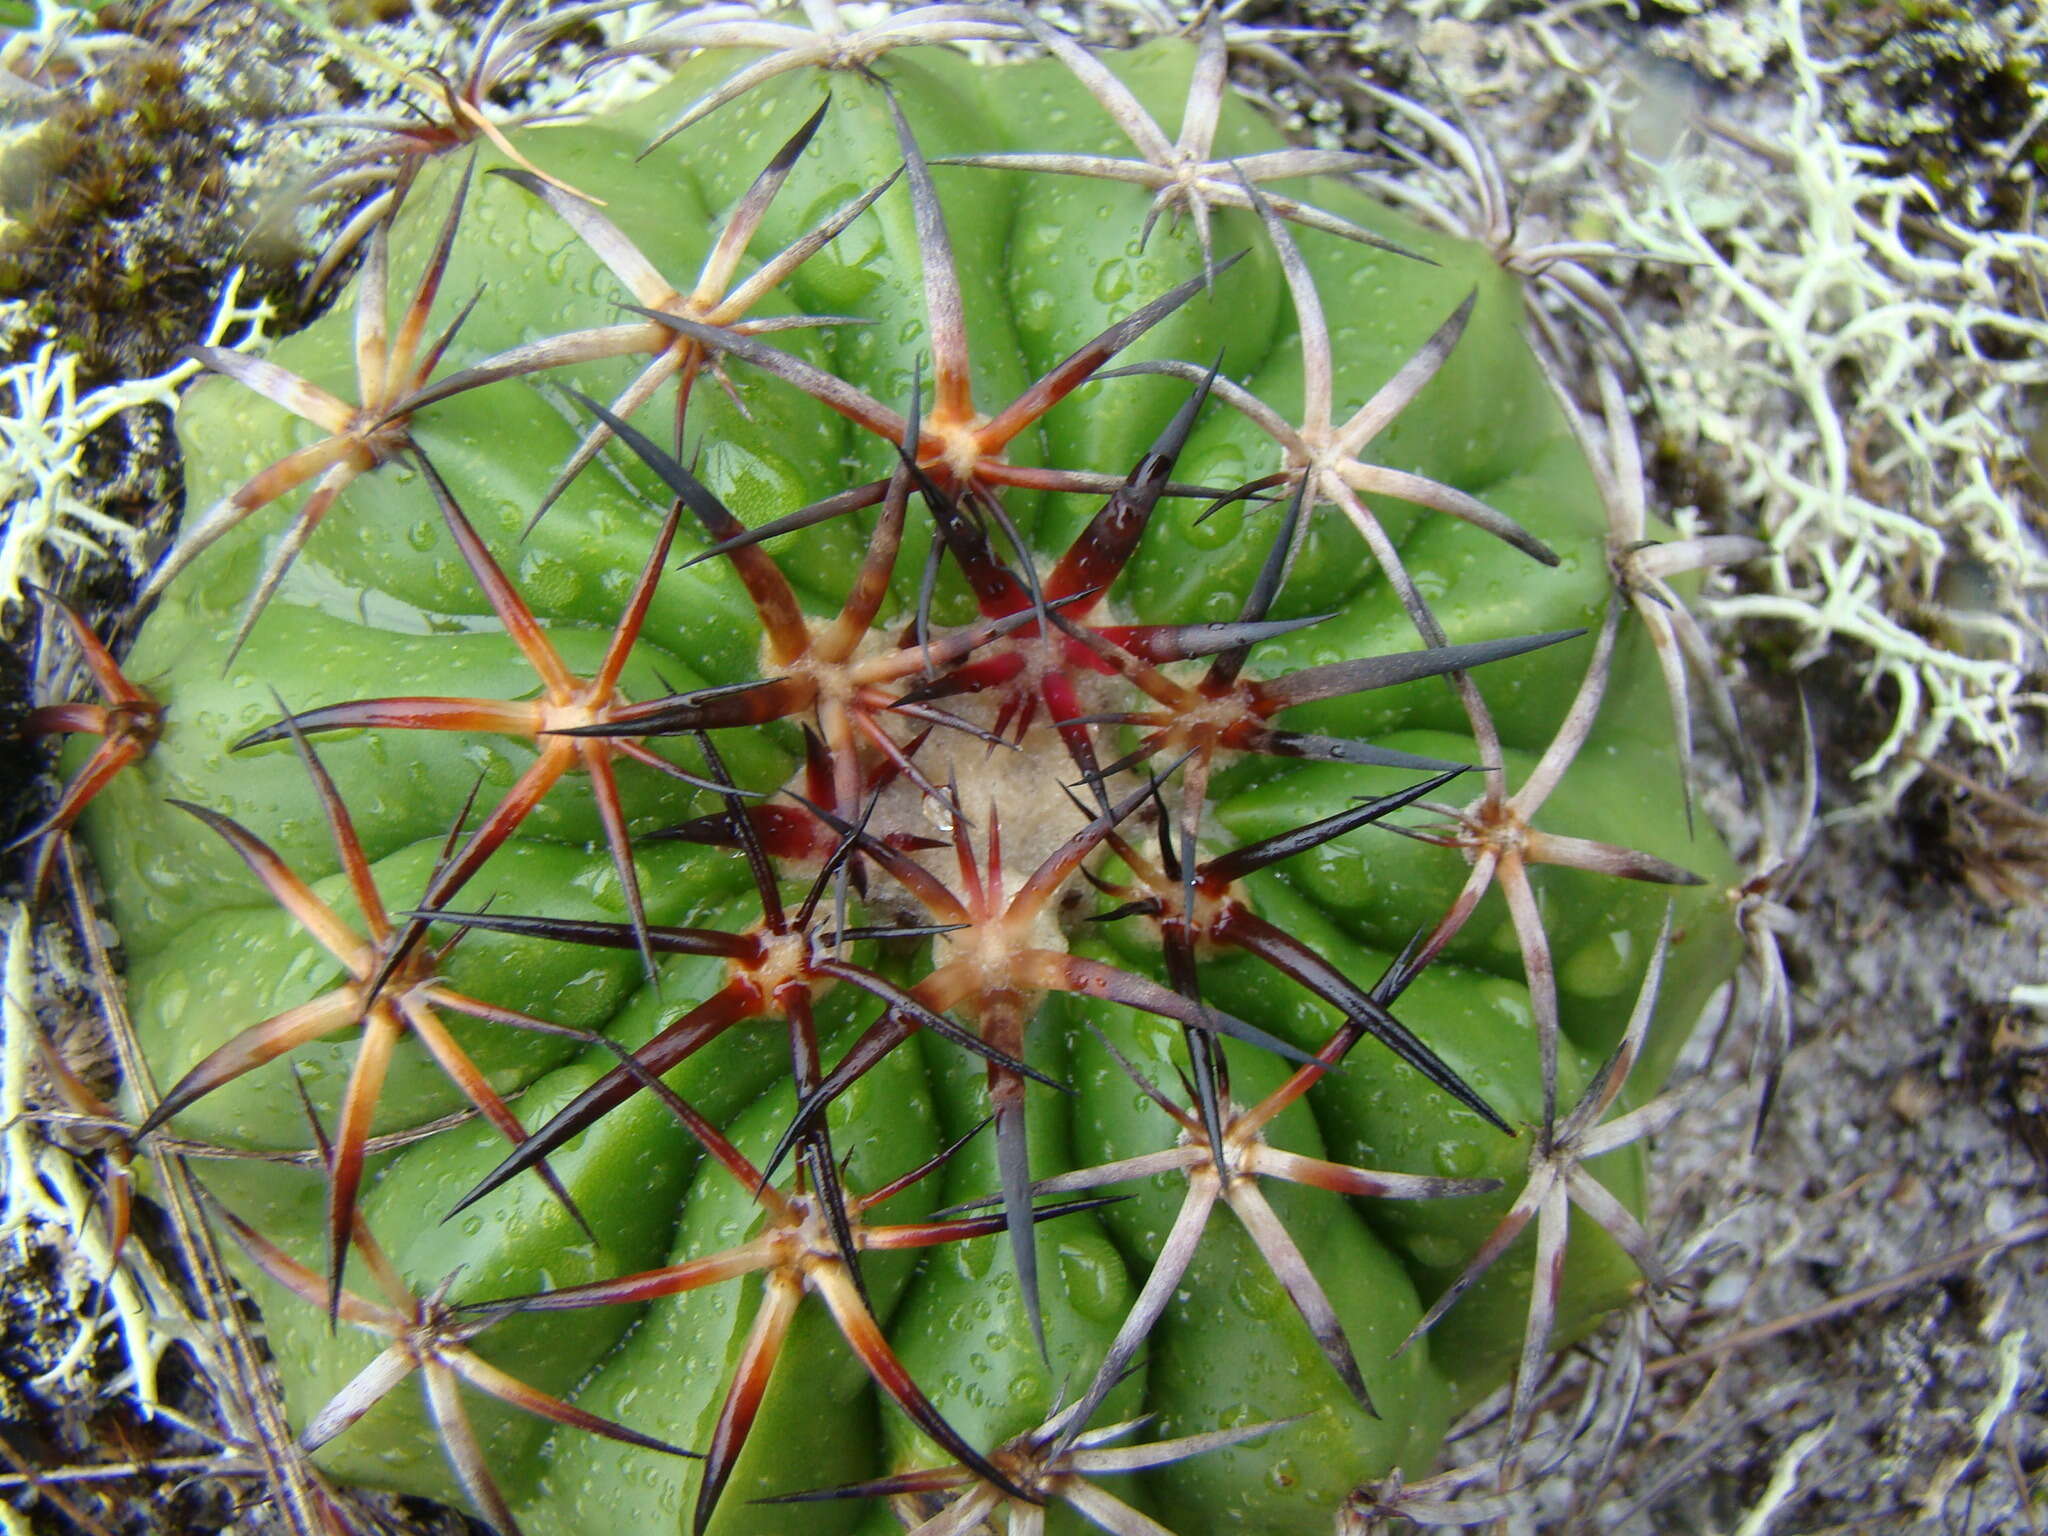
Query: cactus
column 903, row 706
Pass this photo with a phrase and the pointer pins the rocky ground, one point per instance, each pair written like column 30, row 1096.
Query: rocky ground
column 1853, row 1339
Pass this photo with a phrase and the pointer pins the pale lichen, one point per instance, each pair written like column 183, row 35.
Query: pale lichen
column 46, row 1201
column 47, row 515
column 1839, row 356
column 1863, row 365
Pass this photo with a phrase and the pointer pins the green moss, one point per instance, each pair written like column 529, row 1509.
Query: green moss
column 121, row 217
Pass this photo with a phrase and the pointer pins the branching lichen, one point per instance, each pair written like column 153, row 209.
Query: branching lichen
column 46, row 1201
column 1864, row 363
column 46, row 515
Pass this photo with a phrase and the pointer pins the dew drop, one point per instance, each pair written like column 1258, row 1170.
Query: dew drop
column 1435, row 1251
column 1112, row 281
column 1458, row 1159
column 1602, row 967
column 1037, row 311
column 549, row 584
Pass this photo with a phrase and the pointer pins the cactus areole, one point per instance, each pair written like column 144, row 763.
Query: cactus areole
column 763, row 960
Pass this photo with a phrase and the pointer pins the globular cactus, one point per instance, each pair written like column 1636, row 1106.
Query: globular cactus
column 930, row 687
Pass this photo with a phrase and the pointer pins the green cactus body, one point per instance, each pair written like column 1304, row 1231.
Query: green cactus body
column 381, row 603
